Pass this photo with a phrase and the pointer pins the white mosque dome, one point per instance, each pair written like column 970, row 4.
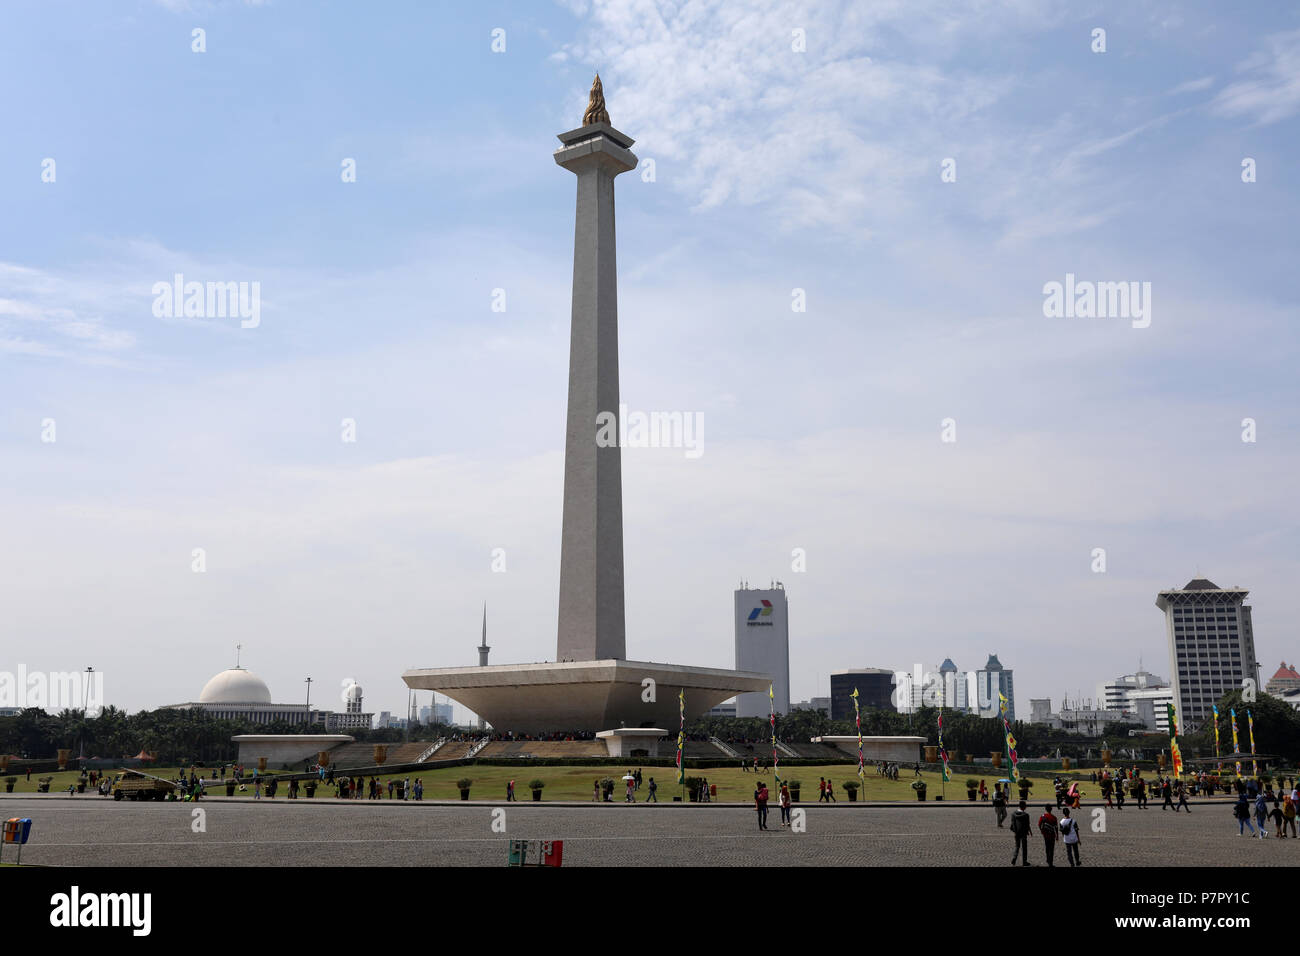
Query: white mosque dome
column 235, row 686
column 354, row 691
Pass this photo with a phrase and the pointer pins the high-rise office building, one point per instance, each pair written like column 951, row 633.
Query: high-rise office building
column 763, row 646
column 875, row 687
column 1211, row 646
column 991, row 680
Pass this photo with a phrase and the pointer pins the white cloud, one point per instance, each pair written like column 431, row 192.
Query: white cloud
column 1270, row 89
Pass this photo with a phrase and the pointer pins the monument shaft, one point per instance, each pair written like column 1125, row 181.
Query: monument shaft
column 591, row 617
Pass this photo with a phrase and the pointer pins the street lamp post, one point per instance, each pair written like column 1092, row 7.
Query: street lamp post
column 307, row 715
column 85, row 702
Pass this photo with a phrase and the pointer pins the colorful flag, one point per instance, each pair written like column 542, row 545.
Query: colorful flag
column 681, row 734
column 1236, row 748
column 943, row 754
column 1250, row 726
column 1013, row 761
column 771, row 698
column 1216, row 735
column 857, row 717
column 1175, row 755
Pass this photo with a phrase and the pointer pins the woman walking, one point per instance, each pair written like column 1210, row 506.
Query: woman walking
column 1241, row 810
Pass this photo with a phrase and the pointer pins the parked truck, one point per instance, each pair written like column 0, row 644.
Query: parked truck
column 136, row 785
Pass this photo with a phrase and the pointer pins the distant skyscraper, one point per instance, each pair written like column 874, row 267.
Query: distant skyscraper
column 875, row 686
column 991, row 680
column 763, row 645
column 1211, row 646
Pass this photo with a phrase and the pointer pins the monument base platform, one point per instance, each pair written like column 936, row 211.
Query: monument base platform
column 585, row 695
column 892, row 749
column 632, row 741
column 286, row 749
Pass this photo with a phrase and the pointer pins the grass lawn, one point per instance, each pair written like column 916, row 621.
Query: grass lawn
column 575, row 782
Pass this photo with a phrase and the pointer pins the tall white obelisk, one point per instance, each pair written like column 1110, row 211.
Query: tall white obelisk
column 591, row 625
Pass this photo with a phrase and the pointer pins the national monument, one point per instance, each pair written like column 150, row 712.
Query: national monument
column 591, row 686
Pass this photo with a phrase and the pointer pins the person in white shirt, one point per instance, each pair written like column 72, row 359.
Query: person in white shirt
column 1070, row 834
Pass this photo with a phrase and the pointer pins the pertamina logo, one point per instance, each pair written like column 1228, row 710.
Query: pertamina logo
column 761, row 612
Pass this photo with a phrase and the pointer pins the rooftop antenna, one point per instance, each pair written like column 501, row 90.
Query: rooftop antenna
column 238, row 648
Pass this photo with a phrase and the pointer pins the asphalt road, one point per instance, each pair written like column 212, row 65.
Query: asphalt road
column 92, row 831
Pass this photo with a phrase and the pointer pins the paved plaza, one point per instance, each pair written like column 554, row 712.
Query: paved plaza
column 95, row 832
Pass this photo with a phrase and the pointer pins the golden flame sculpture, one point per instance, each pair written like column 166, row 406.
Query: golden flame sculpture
column 595, row 105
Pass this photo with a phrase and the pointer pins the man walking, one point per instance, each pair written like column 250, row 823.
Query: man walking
column 1070, row 836
column 1051, row 831
column 651, row 791
column 1167, row 791
column 999, row 804
column 785, row 805
column 821, row 789
column 760, row 804
column 1182, row 799
column 1020, row 830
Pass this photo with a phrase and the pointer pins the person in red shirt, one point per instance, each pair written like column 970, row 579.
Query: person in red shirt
column 1051, row 831
column 821, row 789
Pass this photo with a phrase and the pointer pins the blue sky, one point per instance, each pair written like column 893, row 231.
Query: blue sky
column 774, row 170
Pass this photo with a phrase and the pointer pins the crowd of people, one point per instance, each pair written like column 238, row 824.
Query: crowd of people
column 1258, row 806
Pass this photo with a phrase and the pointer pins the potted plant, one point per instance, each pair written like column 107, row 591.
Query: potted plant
column 1025, row 786
column 851, row 788
column 9, row 784
column 920, row 787
column 972, row 789
column 794, row 790
column 310, row 787
column 463, row 784
column 43, row 784
column 230, row 786
column 536, row 786
column 693, row 785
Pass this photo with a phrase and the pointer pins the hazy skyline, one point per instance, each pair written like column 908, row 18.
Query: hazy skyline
column 774, row 171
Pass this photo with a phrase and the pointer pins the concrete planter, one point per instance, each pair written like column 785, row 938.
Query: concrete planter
column 920, row 794
column 996, row 757
column 970, row 795
column 464, row 794
column 853, row 796
column 230, row 788
column 794, row 794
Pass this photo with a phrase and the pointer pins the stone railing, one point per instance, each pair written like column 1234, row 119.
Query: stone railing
column 429, row 753
column 723, row 747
